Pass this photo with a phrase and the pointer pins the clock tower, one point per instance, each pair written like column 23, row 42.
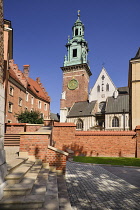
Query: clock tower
column 76, row 71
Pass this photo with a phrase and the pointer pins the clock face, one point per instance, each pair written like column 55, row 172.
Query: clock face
column 73, row 84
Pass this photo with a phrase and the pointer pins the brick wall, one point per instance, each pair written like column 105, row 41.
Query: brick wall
column 33, row 127
column 16, row 128
column 20, row 91
column 94, row 143
column 35, row 144
column 56, row 158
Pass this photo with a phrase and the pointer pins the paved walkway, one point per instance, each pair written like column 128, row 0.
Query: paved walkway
column 95, row 187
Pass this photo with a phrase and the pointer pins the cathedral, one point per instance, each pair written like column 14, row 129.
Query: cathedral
column 105, row 107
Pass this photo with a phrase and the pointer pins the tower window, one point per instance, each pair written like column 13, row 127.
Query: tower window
column 115, row 122
column 76, row 31
column 107, row 87
column 74, row 53
column 98, row 88
column 79, row 124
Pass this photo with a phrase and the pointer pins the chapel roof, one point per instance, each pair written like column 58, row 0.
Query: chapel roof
column 117, row 105
column 82, row 108
column 123, row 90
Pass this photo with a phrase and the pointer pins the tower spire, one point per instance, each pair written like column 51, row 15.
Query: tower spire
column 78, row 14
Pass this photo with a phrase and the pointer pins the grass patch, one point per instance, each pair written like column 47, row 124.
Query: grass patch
column 109, row 160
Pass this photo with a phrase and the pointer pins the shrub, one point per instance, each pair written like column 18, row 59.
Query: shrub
column 32, row 117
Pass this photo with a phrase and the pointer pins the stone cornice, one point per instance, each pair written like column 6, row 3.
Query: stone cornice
column 77, row 67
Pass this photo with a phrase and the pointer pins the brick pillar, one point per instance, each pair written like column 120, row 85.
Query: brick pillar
column 63, row 135
column 138, row 141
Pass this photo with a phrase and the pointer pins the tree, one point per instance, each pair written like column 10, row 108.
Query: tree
column 32, row 117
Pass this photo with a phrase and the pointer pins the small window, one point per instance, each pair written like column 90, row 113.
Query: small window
column 26, row 108
column 9, row 121
column 20, row 101
column 107, row 87
column 10, row 107
column 45, row 107
column 39, row 104
column 76, row 31
column 79, row 124
column 32, row 100
column 11, row 91
column 74, row 53
column 98, row 88
column 115, row 122
column 27, row 96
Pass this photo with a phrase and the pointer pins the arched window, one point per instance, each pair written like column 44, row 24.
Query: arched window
column 79, row 124
column 107, row 87
column 98, row 88
column 115, row 122
column 76, row 31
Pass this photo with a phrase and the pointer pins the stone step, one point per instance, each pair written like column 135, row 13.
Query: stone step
column 26, row 185
column 40, row 184
column 11, row 165
column 22, row 202
column 63, row 197
column 51, row 196
column 18, row 173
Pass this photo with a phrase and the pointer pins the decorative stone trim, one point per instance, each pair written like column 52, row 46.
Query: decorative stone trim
column 105, row 133
column 35, row 133
column 57, row 150
column 64, row 125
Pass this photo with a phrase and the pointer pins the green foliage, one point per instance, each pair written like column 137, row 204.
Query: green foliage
column 32, row 117
column 109, row 160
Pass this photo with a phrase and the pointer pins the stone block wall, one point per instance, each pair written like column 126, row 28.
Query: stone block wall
column 94, row 143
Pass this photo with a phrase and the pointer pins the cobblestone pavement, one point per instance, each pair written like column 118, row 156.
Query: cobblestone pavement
column 93, row 187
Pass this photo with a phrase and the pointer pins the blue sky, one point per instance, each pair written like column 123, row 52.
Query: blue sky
column 41, row 28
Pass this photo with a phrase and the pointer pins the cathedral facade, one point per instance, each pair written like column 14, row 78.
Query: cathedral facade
column 105, row 107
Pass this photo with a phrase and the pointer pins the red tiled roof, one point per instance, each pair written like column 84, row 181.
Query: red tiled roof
column 13, row 75
column 37, row 90
column 32, row 85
